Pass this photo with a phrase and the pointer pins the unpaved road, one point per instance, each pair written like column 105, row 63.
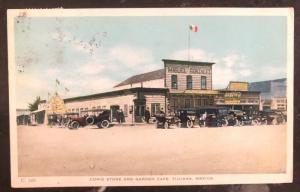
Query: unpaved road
column 144, row 150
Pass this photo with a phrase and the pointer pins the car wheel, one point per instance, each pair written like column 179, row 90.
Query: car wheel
column 75, row 125
column 90, row 120
column 189, row 124
column 105, row 124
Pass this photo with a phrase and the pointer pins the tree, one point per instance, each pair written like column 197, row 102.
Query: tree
column 34, row 106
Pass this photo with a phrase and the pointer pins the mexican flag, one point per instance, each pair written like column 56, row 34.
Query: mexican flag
column 194, row 28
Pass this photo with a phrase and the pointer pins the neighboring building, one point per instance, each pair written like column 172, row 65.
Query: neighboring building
column 273, row 93
column 23, row 117
column 137, row 98
column 23, row 112
column 55, row 106
column 237, row 96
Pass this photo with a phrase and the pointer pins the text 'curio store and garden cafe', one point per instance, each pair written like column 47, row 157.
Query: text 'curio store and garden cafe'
column 180, row 84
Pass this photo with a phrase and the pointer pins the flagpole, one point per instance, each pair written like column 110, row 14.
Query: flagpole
column 189, row 44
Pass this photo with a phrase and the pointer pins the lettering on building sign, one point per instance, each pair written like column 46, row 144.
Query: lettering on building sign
column 196, row 70
column 176, row 69
column 191, row 70
column 235, row 95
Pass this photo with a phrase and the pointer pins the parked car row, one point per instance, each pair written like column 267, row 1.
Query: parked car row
column 218, row 117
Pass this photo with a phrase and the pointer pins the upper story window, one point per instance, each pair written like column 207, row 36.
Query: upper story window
column 189, row 82
column 174, row 81
column 203, row 82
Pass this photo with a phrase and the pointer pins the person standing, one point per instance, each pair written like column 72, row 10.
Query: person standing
column 147, row 115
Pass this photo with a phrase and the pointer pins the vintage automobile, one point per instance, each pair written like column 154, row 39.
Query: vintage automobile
column 241, row 118
column 67, row 119
column 164, row 122
column 204, row 116
column 99, row 117
column 269, row 117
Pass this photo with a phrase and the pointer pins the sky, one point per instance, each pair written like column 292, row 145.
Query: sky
column 90, row 55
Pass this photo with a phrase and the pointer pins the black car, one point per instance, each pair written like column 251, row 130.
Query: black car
column 100, row 117
column 240, row 117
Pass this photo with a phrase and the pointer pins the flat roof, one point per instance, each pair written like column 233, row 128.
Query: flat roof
column 184, row 62
column 116, row 93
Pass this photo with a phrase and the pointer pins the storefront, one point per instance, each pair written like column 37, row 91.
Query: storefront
column 132, row 102
column 236, row 96
column 48, row 110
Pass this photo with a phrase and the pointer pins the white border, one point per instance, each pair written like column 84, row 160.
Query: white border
column 103, row 180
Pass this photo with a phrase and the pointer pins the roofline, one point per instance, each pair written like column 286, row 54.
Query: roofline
column 172, row 61
column 270, row 80
column 238, row 82
column 227, row 90
column 115, row 93
column 120, row 84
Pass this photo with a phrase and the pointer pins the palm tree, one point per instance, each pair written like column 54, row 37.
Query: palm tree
column 34, row 106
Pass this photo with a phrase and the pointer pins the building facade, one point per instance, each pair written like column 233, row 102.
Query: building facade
column 273, row 93
column 238, row 97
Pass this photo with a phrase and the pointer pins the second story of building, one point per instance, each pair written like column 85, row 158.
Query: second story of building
column 178, row 76
column 187, row 75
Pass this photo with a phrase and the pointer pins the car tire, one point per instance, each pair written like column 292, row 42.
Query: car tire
column 105, row 124
column 189, row 124
column 90, row 120
column 75, row 125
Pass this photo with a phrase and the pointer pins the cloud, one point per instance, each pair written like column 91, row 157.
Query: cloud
column 28, row 87
column 93, row 67
column 231, row 59
column 130, row 56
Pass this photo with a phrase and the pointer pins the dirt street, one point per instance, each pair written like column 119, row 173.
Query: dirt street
column 144, row 150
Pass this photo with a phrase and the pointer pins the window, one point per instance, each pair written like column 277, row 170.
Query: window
column 174, row 81
column 198, row 102
column 155, row 108
column 187, row 103
column 81, row 109
column 189, row 82
column 203, row 82
column 77, row 110
column 94, row 108
column 86, row 109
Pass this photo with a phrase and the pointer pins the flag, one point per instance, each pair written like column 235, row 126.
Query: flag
column 57, row 82
column 67, row 90
column 194, row 28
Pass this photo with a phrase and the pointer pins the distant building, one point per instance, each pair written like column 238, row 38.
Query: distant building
column 273, row 93
column 238, row 96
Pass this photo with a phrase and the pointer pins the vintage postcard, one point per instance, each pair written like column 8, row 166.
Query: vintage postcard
column 131, row 97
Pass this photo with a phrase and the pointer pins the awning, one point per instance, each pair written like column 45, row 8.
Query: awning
column 196, row 92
